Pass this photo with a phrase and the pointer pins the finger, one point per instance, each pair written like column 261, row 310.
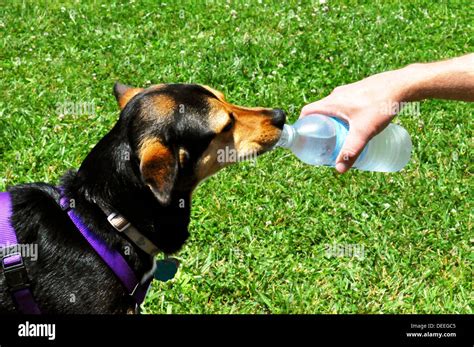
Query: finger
column 325, row 108
column 353, row 146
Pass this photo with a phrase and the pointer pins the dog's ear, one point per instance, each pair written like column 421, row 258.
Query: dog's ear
column 159, row 168
column 124, row 93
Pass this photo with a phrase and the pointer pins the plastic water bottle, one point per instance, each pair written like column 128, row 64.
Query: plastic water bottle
column 318, row 139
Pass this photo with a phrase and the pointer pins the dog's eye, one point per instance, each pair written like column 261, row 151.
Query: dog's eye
column 230, row 124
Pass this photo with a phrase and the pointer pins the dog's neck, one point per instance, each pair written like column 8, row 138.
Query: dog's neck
column 109, row 176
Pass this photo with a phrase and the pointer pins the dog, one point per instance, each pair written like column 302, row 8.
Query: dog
column 165, row 142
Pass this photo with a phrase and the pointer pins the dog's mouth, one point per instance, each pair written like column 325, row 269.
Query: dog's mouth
column 275, row 141
column 260, row 148
column 270, row 136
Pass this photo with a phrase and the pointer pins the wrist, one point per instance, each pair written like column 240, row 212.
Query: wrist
column 412, row 79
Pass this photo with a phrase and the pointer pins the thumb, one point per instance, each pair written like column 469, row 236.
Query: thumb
column 353, row 146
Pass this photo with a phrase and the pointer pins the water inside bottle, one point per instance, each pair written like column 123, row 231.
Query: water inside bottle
column 315, row 150
column 316, row 139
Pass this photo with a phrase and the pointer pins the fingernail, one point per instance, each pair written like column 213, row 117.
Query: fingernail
column 342, row 167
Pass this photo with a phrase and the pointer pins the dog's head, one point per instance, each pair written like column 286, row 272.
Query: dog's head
column 183, row 133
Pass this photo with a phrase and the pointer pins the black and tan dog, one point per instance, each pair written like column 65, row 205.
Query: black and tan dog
column 166, row 141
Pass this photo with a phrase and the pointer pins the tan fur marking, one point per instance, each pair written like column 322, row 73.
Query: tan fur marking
column 218, row 115
column 158, row 168
column 217, row 93
column 183, row 156
column 164, row 105
column 208, row 163
column 156, row 86
column 252, row 133
column 152, row 151
column 129, row 94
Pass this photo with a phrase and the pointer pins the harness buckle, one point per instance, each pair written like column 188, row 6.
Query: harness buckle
column 16, row 276
column 118, row 221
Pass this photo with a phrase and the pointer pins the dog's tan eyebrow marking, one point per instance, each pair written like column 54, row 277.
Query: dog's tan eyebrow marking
column 163, row 106
column 218, row 115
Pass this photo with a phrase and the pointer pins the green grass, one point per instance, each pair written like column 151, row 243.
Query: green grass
column 259, row 231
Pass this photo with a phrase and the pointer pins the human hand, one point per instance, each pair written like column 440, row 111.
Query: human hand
column 367, row 106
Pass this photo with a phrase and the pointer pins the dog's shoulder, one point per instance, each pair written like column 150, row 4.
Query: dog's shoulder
column 35, row 206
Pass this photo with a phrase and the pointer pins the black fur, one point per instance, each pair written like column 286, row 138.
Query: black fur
column 69, row 277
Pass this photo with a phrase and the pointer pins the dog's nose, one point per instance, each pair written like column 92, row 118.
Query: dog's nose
column 279, row 118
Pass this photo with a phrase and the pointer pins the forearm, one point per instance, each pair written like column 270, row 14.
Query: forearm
column 449, row 79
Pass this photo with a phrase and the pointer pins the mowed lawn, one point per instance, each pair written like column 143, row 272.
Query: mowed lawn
column 260, row 231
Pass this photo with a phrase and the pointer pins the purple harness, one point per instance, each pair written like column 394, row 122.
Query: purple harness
column 111, row 257
column 13, row 266
column 15, row 271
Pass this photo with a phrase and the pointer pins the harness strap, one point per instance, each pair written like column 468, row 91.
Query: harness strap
column 110, row 256
column 14, row 269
